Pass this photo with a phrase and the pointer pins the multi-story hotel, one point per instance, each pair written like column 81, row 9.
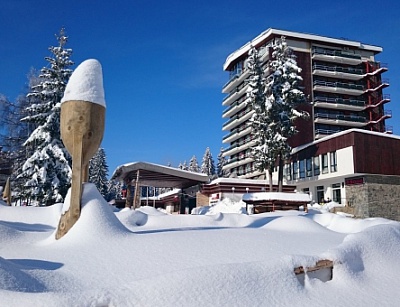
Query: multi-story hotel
column 345, row 152
column 341, row 79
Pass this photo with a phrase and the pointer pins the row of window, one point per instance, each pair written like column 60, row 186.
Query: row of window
column 313, row 166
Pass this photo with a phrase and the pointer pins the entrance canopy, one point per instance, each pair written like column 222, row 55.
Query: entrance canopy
column 158, row 176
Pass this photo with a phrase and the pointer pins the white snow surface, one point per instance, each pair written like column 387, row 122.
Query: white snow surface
column 86, row 83
column 146, row 257
column 298, row 197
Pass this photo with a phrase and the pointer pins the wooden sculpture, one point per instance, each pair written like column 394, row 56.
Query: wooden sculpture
column 82, row 122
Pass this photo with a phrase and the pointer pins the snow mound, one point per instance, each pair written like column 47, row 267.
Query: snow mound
column 150, row 210
column 344, row 224
column 32, row 215
column 223, row 206
column 8, row 234
column 12, row 278
column 97, row 219
column 86, row 83
column 295, row 224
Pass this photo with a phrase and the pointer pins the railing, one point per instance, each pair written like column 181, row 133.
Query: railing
column 352, row 102
column 326, row 131
column 350, row 86
column 349, row 70
column 352, row 118
column 236, row 103
column 339, row 53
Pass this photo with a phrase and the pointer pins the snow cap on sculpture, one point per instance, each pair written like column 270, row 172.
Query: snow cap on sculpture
column 86, row 83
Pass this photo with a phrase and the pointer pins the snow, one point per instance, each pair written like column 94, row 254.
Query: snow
column 86, row 83
column 297, row 197
column 146, row 257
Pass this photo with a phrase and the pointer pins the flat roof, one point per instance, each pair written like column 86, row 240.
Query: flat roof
column 335, row 135
column 158, row 176
column 311, row 37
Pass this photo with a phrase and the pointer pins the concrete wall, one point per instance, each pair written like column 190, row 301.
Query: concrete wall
column 379, row 196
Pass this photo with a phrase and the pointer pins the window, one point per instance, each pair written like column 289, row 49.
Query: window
column 320, row 194
column 325, row 163
column 332, row 156
column 289, row 171
column 316, row 166
column 308, row 167
column 295, row 170
column 302, row 171
column 336, row 193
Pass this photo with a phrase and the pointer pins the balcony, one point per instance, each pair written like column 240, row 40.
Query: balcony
column 338, row 88
column 235, row 80
column 320, row 133
column 347, row 73
column 235, row 107
column 238, row 148
column 340, row 120
column 235, row 162
column 234, row 95
column 235, row 134
column 336, row 56
column 339, row 103
column 238, row 119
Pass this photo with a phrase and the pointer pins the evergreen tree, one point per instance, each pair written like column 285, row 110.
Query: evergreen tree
column 207, row 165
column 183, row 166
column 47, row 172
column 283, row 95
column 274, row 99
column 221, row 163
column 264, row 151
column 194, row 165
column 114, row 189
column 98, row 171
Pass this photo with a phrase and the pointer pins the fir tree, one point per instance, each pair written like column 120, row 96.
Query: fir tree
column 98, row 171
column 221, row 163
column 183, row 166
column 47, row 172
column 194, row 165
column 274, row 99
column 283, row 95
column 263, row 152
column 114, row 189
column 207, row 165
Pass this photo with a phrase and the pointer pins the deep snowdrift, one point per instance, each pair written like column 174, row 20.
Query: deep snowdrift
column 149, row 258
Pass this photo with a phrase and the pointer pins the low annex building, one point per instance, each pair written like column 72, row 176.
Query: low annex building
column 356, row 168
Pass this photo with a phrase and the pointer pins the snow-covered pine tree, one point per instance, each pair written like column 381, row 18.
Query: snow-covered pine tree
column 221, row 163
column 283, row 95
column 98, row 171
column 183, row 166
column 207, row 165
column 264, row 151
column 114, row 189
column 194, row 165
column 47, row 172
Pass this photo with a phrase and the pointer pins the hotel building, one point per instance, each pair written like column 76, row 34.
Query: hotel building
column 334, row 155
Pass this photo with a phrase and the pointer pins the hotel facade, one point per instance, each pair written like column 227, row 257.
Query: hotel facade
column 334, row 155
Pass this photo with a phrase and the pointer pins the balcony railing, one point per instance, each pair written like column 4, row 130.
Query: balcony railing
column 339, row 53
column 347, row 70
column 350, row 86
column 351, row 118
column 351, row 102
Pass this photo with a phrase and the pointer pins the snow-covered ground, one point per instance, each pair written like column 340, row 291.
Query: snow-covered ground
column 149, row 258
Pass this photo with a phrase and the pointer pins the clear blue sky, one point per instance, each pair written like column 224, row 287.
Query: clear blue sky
column 162, row 60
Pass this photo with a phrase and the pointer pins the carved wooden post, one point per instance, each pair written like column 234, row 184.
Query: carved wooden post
column 82, row 126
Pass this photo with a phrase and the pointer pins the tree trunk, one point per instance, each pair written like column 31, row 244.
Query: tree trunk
column 271, row 186
column 280, row 173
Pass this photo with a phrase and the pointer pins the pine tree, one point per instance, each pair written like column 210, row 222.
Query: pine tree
column 221, row 163
column 98, row 171
column 274, row 99
column 194, row 165
column 263, row 152
column 47, row 172
column 183, row 166
column 207, row 165
column 114, row 189
column 283, row 95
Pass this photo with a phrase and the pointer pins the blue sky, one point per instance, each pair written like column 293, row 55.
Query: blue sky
column 162, row 60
